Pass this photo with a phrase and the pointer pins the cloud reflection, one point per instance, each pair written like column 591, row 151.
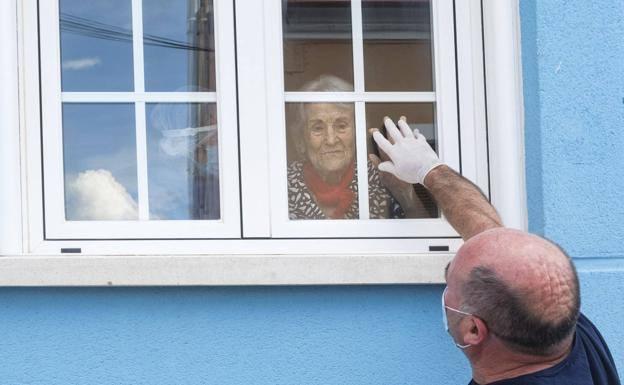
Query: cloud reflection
column 96, row 195
column 81, row 64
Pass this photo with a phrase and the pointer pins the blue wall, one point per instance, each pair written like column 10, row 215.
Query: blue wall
column 573, row 56
column 573, row 64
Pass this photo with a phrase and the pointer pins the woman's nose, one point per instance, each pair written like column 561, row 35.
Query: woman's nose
column 331, row 137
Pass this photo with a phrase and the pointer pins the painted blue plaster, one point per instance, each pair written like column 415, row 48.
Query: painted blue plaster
column 249, row 335
column 277, row 335
column 573, row 54
column 573, row 58
column 573, row 70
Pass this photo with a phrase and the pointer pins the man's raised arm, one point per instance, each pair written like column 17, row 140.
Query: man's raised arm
column 413, row 160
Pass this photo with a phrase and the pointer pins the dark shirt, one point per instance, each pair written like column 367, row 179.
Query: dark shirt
column 589, row 363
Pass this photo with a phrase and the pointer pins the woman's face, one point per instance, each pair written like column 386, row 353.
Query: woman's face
column 329, row 137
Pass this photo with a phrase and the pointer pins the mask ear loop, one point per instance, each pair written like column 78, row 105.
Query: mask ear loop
column 444, row 307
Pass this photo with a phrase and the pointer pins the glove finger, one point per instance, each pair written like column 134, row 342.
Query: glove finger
column 392, row 129
column 422, row 138
column 382, row 142
column 416, row 132
column 387, row 167
column 405, row 129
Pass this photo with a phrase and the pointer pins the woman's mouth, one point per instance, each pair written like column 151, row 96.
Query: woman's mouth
column 332, row 152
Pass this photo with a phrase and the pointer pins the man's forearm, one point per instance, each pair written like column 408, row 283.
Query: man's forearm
column 463, row 204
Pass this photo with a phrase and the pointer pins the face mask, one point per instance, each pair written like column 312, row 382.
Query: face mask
column 445, row 320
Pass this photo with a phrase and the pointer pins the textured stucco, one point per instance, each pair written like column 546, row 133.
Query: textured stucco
column 280, row 335
column 573, row 63
column 573, row 76
column 573, row 54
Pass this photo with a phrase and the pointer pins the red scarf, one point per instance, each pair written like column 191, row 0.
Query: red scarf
column 338, row 196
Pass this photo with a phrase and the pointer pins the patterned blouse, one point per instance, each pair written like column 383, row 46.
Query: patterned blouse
column 301, row 204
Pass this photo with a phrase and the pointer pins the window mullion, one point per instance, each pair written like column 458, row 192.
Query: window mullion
column 141, row 150
column 360, row 111
column 139, row 87
column 137, row 45
column 358, row 46
column 253, row 120
column 362, row 161
column 346, row 97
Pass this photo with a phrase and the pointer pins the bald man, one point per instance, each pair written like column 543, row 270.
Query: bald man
column 512, row 299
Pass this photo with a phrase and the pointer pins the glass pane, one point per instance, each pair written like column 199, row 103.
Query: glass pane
column 96, row 45
column 179, row 45
column 317, row 41
column 183, row 161
column 99, row 156
column 406, row 201
column 397, row 45
column 322, row 177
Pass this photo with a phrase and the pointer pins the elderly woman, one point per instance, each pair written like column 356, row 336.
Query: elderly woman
column 323, row 184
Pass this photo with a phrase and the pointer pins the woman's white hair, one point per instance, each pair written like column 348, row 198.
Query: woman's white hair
column 327, row 83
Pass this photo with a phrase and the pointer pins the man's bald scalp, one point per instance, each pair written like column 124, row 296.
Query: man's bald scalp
column 524, row 286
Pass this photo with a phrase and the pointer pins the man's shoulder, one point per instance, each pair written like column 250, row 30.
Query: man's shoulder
column 589, row 362
column 596, row 351
column 585, row 325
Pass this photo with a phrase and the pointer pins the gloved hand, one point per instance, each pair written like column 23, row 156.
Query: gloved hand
column 411, row 157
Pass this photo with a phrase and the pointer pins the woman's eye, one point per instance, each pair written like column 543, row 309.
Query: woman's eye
column 342, row 126
column 317, row 129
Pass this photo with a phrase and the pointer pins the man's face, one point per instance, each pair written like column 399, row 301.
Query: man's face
column 454, row 274
column 329, row 137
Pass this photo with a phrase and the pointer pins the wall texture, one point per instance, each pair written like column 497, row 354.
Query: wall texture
column 573, row 63
column 574, row 93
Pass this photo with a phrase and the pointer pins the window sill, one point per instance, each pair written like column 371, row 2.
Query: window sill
column 222, row 270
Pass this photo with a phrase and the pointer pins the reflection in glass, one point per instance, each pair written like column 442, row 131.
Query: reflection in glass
column 179, row 45
column 99, row 162
column 183, row 161
column 397, row 45
column 96, row 45
column 409, row 201
column 317, row 40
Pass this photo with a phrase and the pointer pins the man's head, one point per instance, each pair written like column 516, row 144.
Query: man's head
column 522, row 291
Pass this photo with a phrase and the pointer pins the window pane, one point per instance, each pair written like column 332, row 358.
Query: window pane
column 317, row 41
column 397, row 45
column 183, row 161
column 100, row 166
column 96, row 45
column 322, row 177
column 408, row 201
column 179, row 45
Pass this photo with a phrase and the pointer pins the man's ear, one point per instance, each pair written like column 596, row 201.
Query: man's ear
column 474, row 331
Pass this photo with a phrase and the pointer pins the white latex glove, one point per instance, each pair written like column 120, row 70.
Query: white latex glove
column 411, row 157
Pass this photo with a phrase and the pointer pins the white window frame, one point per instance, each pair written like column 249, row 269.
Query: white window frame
column 444, row 98
column 56, row 226
column 26, row 259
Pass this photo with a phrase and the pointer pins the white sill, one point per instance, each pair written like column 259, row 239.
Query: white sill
column 201, row 270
